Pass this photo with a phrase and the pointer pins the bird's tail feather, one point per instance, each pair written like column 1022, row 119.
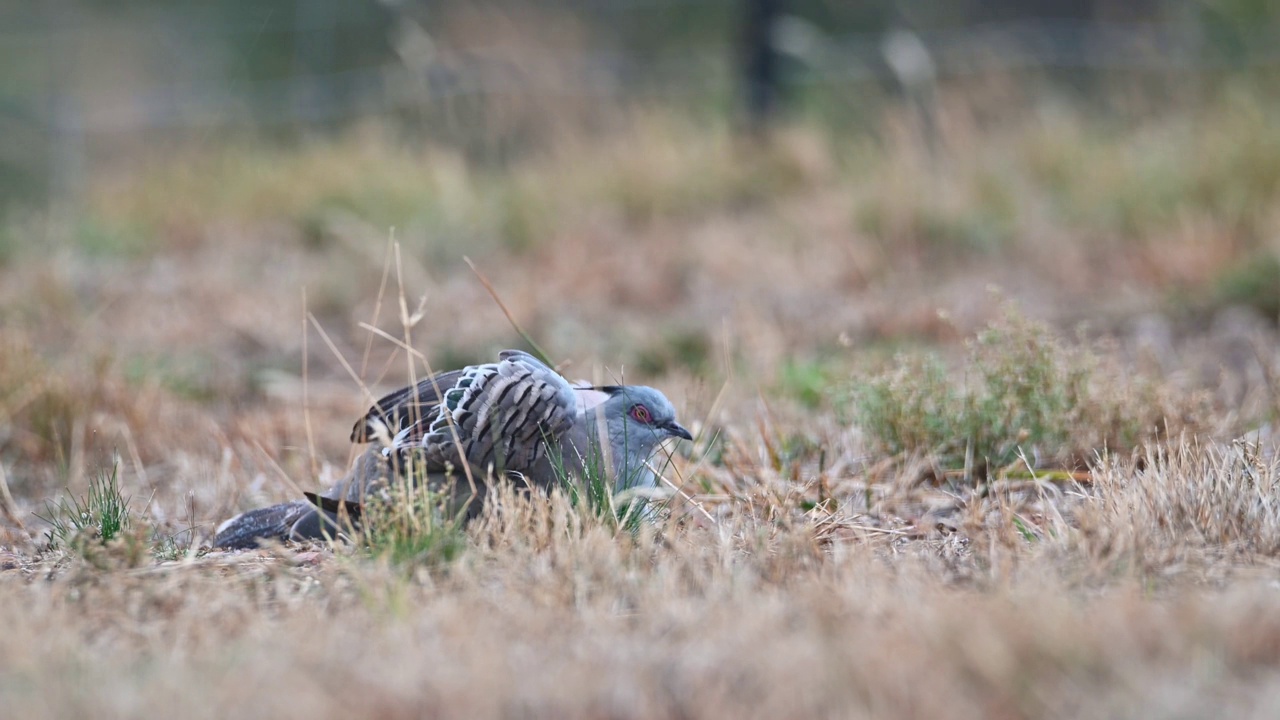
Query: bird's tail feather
column 298, row 520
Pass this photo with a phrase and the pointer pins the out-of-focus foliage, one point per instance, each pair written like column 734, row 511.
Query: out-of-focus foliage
column 88, row 82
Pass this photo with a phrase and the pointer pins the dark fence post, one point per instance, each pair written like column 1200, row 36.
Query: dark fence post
column 760, row 81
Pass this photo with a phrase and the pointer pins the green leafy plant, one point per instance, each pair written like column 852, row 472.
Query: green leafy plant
column 812, row 382
column 1020, row 390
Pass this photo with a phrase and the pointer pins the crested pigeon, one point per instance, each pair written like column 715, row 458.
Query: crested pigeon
column 515, row 418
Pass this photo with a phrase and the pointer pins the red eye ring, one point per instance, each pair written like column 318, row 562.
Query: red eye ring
column 640, row 414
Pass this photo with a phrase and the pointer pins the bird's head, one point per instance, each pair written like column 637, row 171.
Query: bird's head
column 641, row 416
column 635, row 420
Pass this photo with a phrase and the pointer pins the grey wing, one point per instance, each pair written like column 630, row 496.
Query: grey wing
column 501, row 415
column 405, row 407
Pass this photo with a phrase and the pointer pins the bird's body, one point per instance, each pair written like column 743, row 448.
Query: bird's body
column 515, row 418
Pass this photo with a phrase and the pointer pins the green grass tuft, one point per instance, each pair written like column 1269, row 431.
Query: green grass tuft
column 592, row 495
column 415, row 524
column 100, row 516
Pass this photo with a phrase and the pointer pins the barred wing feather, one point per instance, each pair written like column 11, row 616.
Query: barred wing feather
column 491, row 415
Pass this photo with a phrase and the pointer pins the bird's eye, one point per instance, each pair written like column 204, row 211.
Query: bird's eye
column 640, row 414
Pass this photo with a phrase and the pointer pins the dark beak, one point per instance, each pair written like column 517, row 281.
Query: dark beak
column 674, row 429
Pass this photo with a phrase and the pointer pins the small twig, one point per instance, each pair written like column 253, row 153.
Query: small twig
column 873, row 529
column 398, row 342
column 408, row 322
column 680, row 491
column 1047, row 475
column 76, row 461
column 276, row 466
column 373, row 321
column 306, row 384
column 377, row 305
column 6, row 501
column 134, row 456
column 337, row 354
column 542, row 354
column 715, row 408
column 1040, row 487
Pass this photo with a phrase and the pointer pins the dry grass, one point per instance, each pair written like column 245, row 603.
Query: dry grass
column 1114, row 557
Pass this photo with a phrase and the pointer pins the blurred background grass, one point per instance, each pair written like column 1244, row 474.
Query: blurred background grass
column 774, row 191
column 972, row 305
column 92, row 88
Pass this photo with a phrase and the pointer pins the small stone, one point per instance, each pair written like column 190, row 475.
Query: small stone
column 311, row 557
